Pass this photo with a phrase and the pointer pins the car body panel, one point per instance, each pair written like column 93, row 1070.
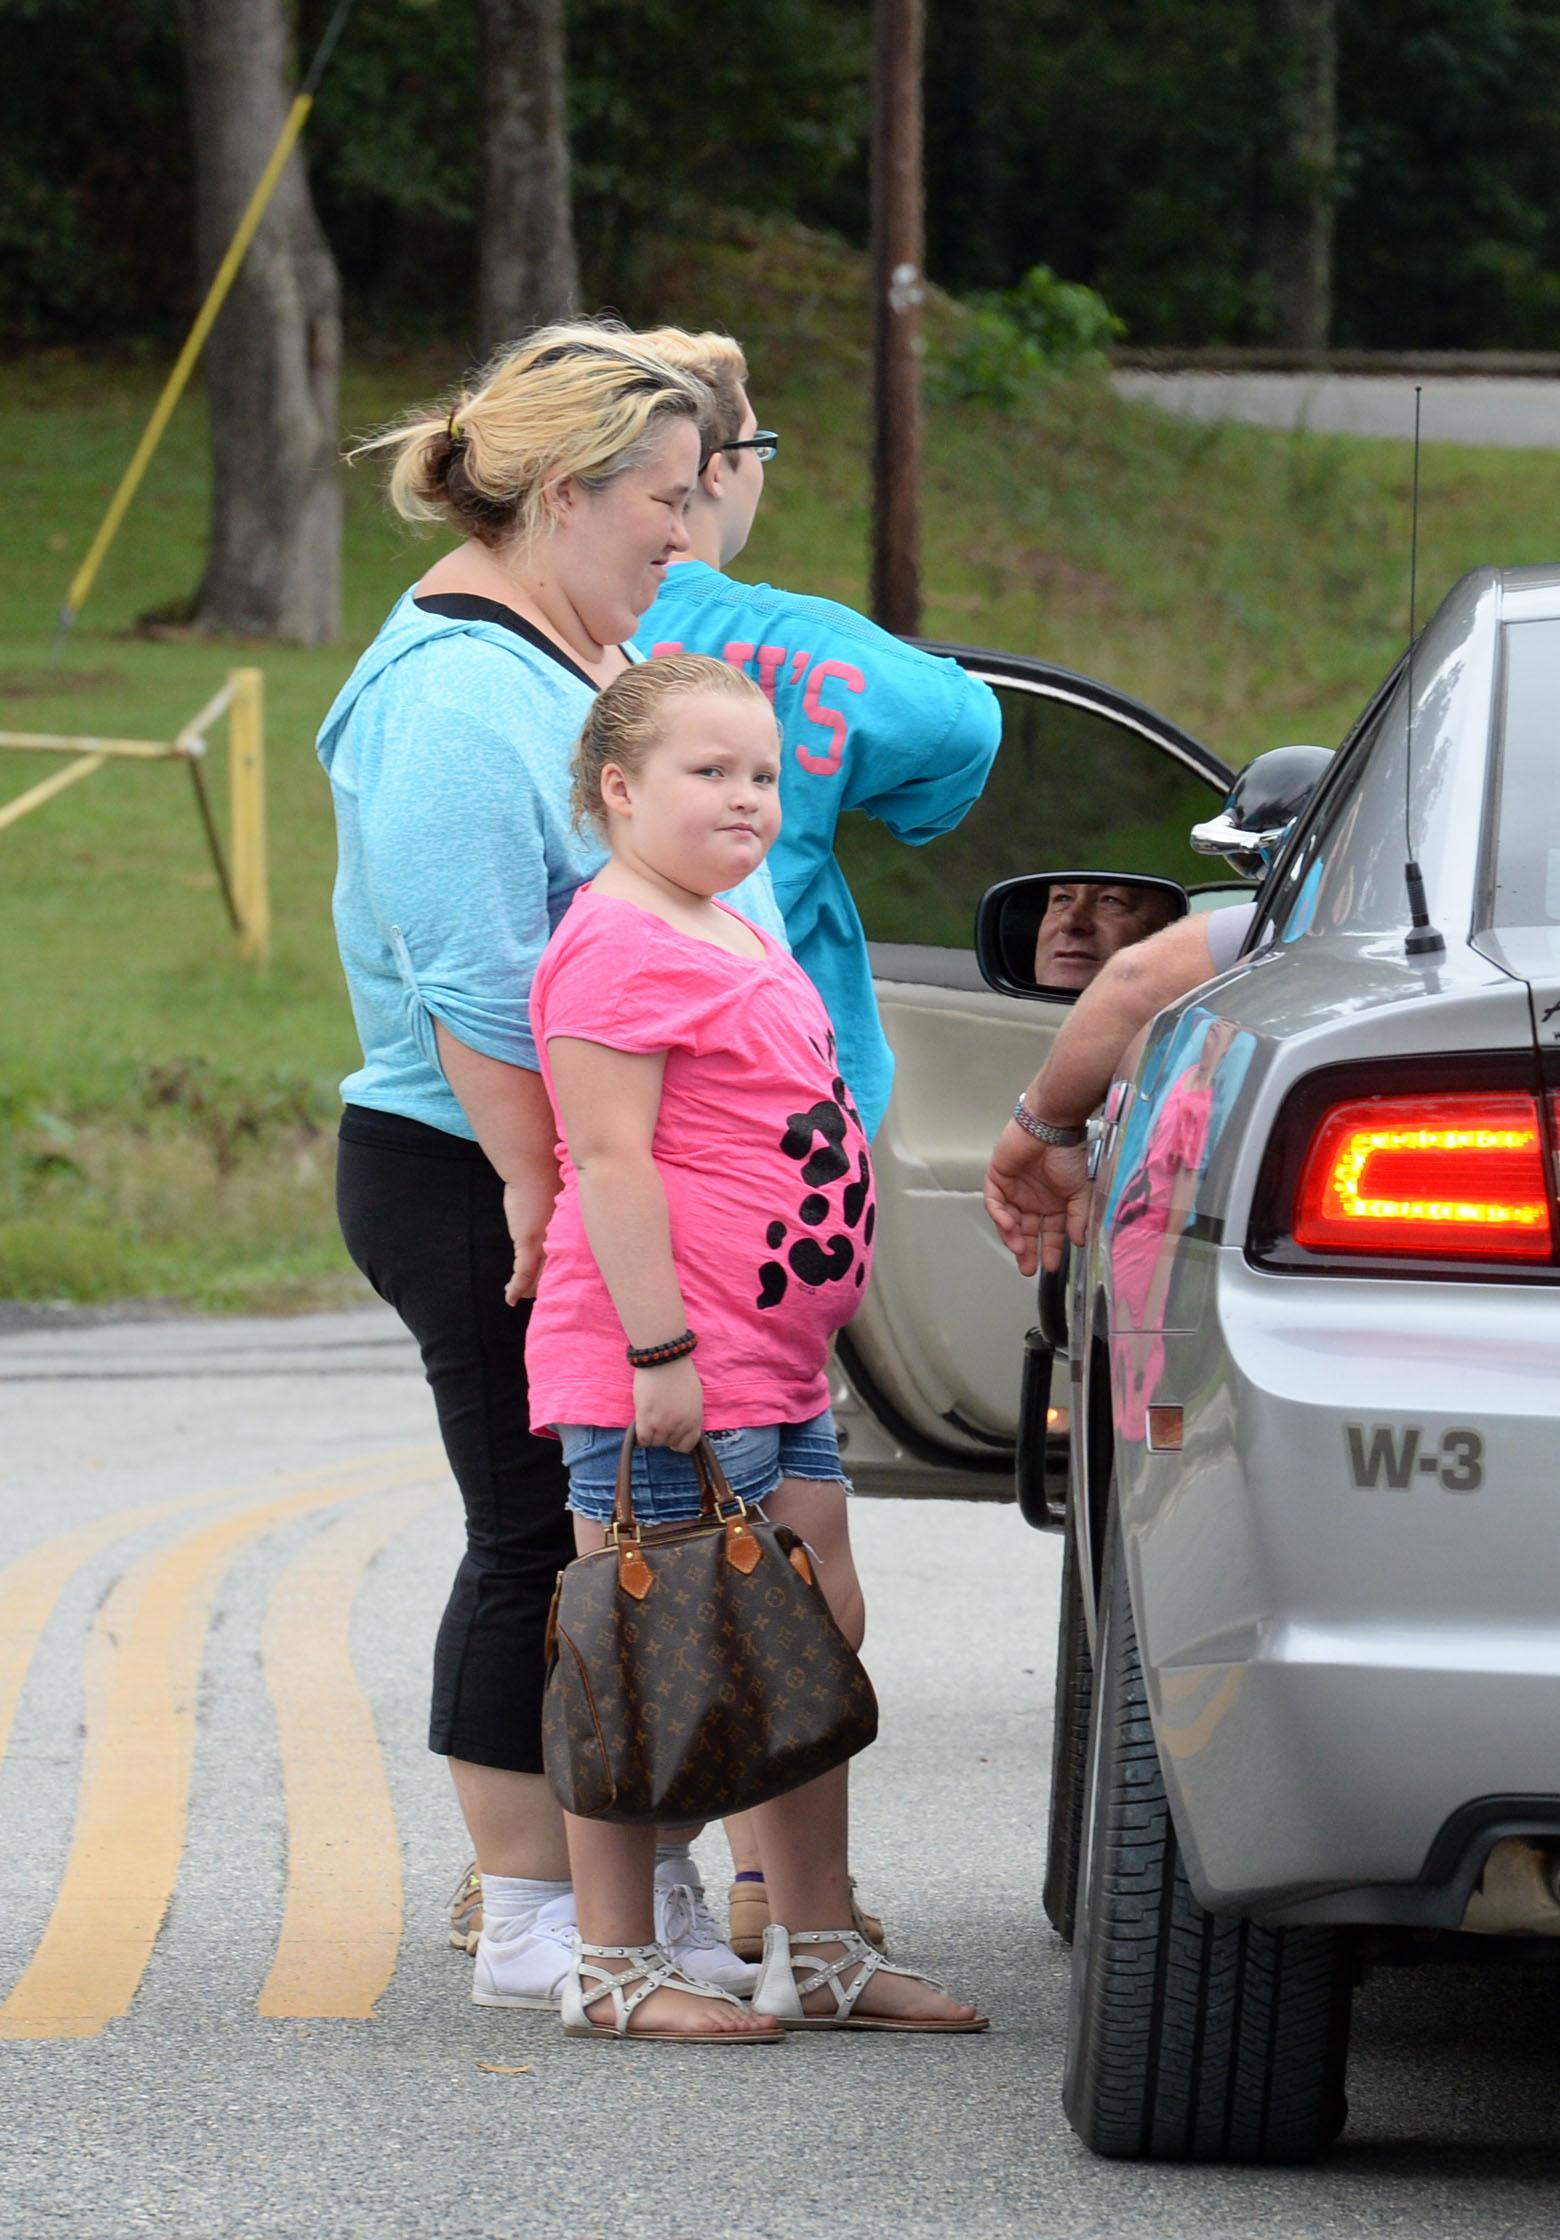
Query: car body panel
column 1349, row 1646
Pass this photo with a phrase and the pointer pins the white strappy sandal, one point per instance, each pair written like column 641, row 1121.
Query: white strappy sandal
column 787, row 1977
column 652, row 1969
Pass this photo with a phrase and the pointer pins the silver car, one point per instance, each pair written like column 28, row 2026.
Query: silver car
column 1309, row 1672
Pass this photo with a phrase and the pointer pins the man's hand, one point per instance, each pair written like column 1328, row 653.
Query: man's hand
column 528, row 1208
column 669, row 1406
column 1037, row 1195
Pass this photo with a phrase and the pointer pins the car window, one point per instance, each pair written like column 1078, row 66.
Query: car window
column 1316, row 878
column 1073, row 787
column 1525, row 844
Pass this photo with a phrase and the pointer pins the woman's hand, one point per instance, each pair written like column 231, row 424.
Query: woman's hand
column 528, row 1206
column 669, row 1406
column 1037, row 1196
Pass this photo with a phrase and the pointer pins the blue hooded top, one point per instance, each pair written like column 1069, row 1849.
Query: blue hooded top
column 868, row 723
column 448, row 750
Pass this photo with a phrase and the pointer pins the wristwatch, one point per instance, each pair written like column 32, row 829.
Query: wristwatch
column 1046, row 1131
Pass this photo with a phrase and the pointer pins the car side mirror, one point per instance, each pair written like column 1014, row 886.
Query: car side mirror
column 1050, row 933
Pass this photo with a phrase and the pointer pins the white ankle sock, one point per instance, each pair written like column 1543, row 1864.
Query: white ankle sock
column 508, row 1897
column 680, row 1856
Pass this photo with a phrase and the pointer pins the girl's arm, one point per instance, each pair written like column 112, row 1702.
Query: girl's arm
column 512, row 1120
column 608, row 1101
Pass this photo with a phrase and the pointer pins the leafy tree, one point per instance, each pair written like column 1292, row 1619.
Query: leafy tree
column 678, row 105
column 95, row 184
column 1448, row 235
column 1148, row 148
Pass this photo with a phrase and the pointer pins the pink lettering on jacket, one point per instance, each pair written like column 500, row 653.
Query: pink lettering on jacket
column 771, row 659
column 832, row 720
column 666, row 645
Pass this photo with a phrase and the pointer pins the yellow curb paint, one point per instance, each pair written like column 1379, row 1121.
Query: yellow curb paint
column 142, row 1676
column 31, row 1586
column 341, row 1933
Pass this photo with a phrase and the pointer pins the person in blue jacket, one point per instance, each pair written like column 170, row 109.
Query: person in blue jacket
column 869, row 723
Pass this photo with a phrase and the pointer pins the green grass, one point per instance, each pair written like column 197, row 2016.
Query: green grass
column 168, row 1111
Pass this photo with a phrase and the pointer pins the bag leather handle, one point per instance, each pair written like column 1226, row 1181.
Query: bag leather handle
column 714, row 1489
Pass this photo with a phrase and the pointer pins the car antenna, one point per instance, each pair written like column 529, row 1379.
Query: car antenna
column 1423, row 939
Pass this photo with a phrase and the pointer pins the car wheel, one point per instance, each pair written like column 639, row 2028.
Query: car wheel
column 1069, row 1747
column 1192, row 2037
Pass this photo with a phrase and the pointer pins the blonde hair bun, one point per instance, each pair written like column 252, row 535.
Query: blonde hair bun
column 582, row 397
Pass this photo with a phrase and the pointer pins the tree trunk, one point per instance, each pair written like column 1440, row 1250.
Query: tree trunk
column 273, row 569
column 527, row 270
column 1295, row 236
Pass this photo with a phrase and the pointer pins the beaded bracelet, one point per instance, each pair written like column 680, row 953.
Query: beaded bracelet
column 656, row 1357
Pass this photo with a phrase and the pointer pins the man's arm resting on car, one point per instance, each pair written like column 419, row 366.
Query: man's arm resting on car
column 1037, row 1194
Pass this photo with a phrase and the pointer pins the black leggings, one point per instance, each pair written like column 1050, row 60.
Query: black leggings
column 422, row 1214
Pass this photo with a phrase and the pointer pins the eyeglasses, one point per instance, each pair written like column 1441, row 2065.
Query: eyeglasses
column 763, row 440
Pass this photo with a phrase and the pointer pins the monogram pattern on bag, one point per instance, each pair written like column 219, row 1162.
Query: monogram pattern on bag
column 682, row 1707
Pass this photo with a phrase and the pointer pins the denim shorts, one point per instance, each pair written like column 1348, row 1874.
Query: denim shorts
column 666, row 1490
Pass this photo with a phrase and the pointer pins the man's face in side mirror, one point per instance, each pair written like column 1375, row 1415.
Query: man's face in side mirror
column 1085, row 924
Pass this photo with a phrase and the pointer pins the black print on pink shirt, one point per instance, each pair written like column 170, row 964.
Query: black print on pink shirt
column 843, row 1095
column 833, row 1260
column 827, row 1120
column 815, row 1265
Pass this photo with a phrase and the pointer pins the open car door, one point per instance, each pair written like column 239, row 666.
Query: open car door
column 928, row 1374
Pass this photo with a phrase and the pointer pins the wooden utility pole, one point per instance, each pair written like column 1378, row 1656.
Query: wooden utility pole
column 898, row 285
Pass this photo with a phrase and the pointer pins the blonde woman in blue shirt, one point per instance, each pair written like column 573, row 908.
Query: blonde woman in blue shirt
column 566, row 472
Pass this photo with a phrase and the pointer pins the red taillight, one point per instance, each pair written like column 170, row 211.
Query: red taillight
column 1452, row 1174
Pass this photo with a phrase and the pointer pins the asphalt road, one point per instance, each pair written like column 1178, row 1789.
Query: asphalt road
column 226, row 2004
column 1520, row 414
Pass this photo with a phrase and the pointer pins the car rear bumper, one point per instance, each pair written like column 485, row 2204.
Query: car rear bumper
column 1348, row 1587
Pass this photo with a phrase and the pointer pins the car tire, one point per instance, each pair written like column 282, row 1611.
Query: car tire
column 1069, row 1747
column 1192, row 2037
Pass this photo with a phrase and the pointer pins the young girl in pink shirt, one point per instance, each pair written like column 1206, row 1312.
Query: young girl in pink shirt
column 716, row 1211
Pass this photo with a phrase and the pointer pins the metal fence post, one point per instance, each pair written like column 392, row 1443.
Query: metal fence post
column 246, row 809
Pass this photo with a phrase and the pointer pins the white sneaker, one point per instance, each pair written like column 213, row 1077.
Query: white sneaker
column 685, row 1926
column 526, row 1963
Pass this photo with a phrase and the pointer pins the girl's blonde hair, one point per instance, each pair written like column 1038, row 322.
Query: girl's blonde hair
column 715, row 360
column 628, row 719
column 583, row 397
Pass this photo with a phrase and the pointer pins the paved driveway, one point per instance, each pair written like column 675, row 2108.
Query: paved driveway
column 226, row 2003
column 1522, row 414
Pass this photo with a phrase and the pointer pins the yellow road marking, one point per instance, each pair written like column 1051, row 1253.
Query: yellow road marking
column 32, row 1585
column 142, row 1674
column 341, row 1933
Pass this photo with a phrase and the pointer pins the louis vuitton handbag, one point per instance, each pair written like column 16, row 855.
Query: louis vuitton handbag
column 695, row 1669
